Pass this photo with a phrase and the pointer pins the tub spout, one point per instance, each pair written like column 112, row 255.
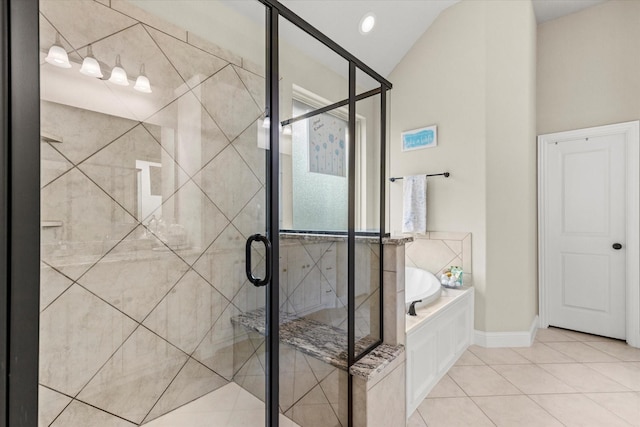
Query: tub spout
column 412, row 308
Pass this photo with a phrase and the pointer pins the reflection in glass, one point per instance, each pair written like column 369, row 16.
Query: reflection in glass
column 148, row 196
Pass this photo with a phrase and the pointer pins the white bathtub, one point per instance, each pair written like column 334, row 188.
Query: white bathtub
column 420, row 285
column 436, row 337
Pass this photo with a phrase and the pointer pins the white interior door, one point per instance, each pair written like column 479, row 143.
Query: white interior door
column 585, row 221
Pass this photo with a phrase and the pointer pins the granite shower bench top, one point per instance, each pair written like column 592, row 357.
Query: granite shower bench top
column 311, row 237
column 324, row 342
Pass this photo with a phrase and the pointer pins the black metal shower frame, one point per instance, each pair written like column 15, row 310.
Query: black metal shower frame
column 274, row 10
column 20, row 204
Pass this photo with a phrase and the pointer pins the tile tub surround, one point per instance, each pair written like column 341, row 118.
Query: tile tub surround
column 393, row 263
column 435, row 251
column 313, row 279
column 133, row 325
column 548, row 383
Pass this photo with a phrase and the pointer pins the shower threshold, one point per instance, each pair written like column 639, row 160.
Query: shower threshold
column 228, row 406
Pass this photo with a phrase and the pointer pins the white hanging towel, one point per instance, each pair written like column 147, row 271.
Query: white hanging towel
column 414, row 204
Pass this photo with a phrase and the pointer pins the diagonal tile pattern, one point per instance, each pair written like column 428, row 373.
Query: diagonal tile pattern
column 116, row 166
column 50, row 405
column 83, row 132
column 494, row 387
column 80, row 414
column 228, row 406
column 140, row 257
column 135, row 377
column 434, row 251
column 188, row 133
column 83, row 22
column 53, row 164
column 228, row 182
column 187, row 313
column 52, row 286
column 135, row 286
column 135, row 48
column 226, row 98
column 92, row 223
column 74, row 342
column 193, row 381
column 193, row 64
column 149, row 200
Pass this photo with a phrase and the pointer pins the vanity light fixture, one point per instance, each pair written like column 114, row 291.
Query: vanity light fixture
column 57, row 55
column 90, row 66
column 118, row 74
column 142, row 82
column 367, row 23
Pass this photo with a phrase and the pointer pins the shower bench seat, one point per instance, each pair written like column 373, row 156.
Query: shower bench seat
column 325, row 343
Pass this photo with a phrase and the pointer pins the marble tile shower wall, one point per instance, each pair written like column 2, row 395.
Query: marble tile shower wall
column 147, row 200
column 313, row 393
column 436, row 250
column 313, row 282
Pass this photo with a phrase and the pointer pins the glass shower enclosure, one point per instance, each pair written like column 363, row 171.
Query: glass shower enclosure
column 210, row 221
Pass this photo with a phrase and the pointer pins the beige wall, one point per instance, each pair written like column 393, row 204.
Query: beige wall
column 511, row 280
column 589, row 67
column 441, row 81
column 472, row 73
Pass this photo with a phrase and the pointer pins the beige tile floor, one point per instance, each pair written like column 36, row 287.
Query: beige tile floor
column 565, row 378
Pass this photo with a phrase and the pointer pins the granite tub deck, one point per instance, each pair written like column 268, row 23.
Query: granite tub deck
column 324, row 342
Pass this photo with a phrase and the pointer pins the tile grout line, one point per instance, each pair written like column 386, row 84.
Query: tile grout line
column 529, row 396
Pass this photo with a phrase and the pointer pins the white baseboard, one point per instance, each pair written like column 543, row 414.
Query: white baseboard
column 506, row 339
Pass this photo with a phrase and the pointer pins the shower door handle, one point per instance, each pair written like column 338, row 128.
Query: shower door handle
column 267, row 245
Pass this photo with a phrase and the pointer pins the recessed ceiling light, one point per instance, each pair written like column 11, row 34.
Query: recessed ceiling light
column 367, row 23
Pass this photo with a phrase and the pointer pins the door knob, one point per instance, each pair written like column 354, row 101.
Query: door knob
column 617, row 246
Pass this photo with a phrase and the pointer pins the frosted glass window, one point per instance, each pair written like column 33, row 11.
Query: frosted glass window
column 320, row 175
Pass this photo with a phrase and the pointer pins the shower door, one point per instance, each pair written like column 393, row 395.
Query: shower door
column 153, row 178
column 140, row 260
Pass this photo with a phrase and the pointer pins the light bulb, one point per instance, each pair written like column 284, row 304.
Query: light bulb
column 57, row 55
column 142, row 82
column 266, row 123
column 90, row 66
column 287, row 130
column 367, row 23
column 118, row 74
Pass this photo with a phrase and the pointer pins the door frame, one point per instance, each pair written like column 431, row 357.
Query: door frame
column 19, row 214
column 632, row 199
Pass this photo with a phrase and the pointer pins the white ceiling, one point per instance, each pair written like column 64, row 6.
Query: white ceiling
column 547, row 10
column 399, row 23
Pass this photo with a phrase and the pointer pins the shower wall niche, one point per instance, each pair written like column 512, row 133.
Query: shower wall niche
column 147, row 200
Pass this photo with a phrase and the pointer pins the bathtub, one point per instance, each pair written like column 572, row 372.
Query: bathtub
column 435, row 338
column 420, row 285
